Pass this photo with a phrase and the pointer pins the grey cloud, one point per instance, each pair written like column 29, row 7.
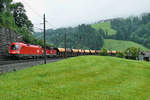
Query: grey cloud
column 62, row 13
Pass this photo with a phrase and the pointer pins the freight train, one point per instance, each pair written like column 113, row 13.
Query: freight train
column 22, row 50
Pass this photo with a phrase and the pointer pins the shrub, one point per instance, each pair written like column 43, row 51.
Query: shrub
column 120, row 54
column 104, row 52
column 132, row 52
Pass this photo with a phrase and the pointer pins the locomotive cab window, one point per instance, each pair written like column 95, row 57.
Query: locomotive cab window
column 15, row 47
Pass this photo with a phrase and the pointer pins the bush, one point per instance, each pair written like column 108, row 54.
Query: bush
column 104, row 52
column 132, row 53
column 120, row 54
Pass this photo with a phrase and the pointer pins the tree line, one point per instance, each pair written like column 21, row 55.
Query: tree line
column 81, row 37
column 136, row 28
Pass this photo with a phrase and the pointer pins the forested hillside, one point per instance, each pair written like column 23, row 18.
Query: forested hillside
column 13, row 16
column 82, row 37
column 135, row 28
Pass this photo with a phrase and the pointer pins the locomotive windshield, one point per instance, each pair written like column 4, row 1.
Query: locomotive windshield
column 15, row 47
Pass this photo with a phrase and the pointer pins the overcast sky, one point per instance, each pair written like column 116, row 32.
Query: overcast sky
column 64, row 13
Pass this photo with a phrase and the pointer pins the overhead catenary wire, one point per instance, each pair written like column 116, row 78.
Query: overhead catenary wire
column 36, row 27
column 37, row 14
column 32, row 10
column 50, row 26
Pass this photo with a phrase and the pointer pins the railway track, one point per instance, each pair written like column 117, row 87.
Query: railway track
column 6, row 62
column 15, row 65
column 13, row 61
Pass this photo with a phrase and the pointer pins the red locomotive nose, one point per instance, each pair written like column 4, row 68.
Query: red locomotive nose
column 14, row 49
column 14, row 52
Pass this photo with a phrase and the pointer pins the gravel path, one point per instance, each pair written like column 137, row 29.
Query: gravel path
column 19, row 66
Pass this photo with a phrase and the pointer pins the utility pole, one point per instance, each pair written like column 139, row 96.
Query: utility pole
column 65, row 44
column 44, row 42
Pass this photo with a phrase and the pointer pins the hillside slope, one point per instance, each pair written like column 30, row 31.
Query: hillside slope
column 106, row 26
column 79, row 78
column 120, row 45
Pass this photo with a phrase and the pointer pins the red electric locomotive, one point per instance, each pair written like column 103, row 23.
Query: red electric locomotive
column 51, row 52
column 25, row 50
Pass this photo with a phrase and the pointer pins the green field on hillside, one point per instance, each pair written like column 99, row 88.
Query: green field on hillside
column 106, row 26
column 121, row 45
column 79, row 78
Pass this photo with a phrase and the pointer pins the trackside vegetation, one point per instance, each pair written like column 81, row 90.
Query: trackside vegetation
column 79, row 78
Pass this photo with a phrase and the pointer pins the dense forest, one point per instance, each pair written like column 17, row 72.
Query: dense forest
column 82, row 36
column 13, row 16
column 135, row 28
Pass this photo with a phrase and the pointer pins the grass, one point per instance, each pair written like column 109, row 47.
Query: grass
column 79, row 78
column 121, row 45
column 106, row 26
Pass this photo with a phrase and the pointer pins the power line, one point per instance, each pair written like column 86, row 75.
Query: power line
column 38, row 15
column 38, row 28
column 32, row 10
column 51, row 25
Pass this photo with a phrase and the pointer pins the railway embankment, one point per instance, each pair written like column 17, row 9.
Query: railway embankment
column 15, row 65
column 79, row 78
column 7, row 36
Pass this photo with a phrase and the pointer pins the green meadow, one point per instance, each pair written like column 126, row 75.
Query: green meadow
column 121, row 45
column 106, row 26
column 79, row 78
